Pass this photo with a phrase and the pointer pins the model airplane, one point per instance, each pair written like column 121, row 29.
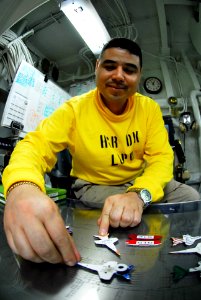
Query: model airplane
column 108, row 242
column 196, row 268
column 69, row 229
column 187, row 239
column 179, row 272
column 143, row 240
column 196, row 249
column 110, row 268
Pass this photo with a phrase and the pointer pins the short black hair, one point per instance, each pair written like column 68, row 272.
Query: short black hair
column 126, row 44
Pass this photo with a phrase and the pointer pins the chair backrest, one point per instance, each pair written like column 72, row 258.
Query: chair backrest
column 60, row 174
column 180, row 158
column 170, row 128
column 64, row 162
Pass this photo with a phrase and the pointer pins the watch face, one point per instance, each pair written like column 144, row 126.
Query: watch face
column 146, row 196
column 153, row 85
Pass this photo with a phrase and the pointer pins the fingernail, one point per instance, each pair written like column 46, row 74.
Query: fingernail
column 103, row 232
column 69, row 263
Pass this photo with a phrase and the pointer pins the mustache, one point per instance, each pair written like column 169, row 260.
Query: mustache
column 116, row 85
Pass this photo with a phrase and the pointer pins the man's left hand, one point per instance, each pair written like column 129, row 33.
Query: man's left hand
column 120, row 210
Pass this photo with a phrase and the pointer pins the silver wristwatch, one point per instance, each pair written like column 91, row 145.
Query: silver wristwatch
column 144, row 195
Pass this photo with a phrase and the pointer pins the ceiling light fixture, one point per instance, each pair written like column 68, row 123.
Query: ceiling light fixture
column 87, row 22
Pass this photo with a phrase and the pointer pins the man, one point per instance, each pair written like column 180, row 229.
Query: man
column 120, row 156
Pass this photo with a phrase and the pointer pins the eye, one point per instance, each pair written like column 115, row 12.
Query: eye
column 109, row 67
column 130, row 70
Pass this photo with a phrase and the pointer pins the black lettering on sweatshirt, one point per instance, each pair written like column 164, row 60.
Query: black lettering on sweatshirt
column 119, row 159
column 132, row 138
column 108, row 142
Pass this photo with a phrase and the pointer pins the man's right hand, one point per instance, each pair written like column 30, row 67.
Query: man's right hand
column 35, row 229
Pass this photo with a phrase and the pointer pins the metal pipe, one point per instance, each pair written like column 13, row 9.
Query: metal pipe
column 196, row 111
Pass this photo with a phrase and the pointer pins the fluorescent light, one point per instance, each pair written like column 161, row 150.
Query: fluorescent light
column 87, row 22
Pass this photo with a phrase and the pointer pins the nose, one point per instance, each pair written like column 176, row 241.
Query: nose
column 118, row 74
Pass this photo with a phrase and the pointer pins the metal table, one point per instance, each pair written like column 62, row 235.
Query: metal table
column 151, row 279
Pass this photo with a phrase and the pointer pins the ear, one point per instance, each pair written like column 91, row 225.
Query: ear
column 97, row 63
column 140, row 76
column 141, row 72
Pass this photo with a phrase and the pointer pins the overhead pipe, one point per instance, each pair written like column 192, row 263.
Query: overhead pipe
column 165, row 50
column 191, row 72
column 167, row 79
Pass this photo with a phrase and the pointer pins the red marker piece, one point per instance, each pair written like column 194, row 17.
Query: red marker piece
column 143, row 240
column 143, row 243
column 139, row 237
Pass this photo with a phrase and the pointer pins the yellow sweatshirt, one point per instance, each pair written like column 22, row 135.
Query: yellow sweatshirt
column 106, row 148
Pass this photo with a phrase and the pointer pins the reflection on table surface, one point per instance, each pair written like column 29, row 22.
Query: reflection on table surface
column 153, row 274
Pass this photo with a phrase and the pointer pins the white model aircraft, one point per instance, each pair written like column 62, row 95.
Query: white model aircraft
column 108, row 242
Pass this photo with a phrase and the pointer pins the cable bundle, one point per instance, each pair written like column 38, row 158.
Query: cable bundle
column 13, row 52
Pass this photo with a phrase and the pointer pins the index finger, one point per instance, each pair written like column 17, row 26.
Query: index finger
column 104, row 220
column 104, row 224
column 63, row 242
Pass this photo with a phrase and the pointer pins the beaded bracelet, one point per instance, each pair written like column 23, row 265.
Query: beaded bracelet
column 21, row 183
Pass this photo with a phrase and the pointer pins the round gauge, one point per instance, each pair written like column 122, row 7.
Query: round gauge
column 152, row 85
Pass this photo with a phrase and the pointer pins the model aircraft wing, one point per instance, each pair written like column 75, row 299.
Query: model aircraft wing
column 112, row 247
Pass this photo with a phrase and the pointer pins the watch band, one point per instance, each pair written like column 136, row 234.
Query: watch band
column 136, row 190
column 143, row 194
